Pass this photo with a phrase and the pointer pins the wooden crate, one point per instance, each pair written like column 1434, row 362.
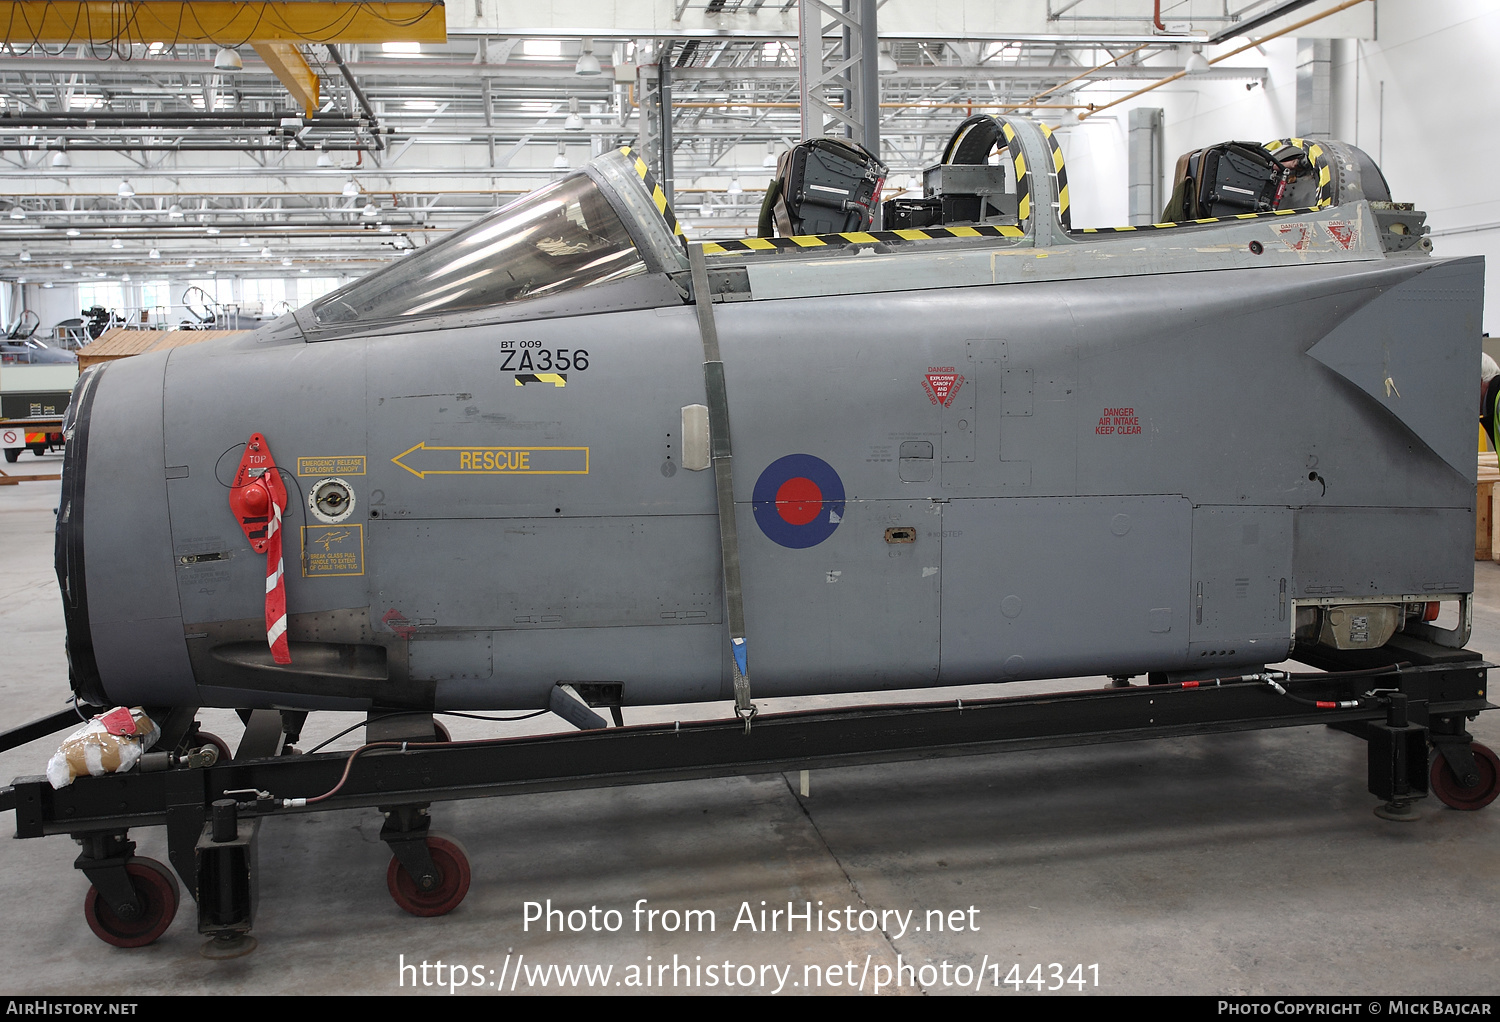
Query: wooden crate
column 122, row 343
column 1486, row 542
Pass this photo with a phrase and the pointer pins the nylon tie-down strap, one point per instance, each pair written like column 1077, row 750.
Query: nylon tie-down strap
column 720, row 453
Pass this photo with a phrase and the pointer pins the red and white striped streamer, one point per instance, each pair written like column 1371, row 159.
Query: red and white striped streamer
column 275, row 581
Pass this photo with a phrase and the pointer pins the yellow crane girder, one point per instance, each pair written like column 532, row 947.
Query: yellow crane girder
column 292, row 70
column 220, row 22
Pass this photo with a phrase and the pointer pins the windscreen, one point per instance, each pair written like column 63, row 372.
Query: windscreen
column 556, row 239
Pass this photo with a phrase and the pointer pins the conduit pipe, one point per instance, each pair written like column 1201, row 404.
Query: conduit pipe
column 1232, row 53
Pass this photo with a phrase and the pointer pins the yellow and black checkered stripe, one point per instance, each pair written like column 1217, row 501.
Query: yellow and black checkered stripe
column 1190, row 223
column 1318, row 157
column 556, row 379
column 657, row 195
column 1023, row 183
column 804, row 242
column 1059, row 172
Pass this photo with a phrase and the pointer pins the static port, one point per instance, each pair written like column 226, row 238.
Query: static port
column 1256, row 248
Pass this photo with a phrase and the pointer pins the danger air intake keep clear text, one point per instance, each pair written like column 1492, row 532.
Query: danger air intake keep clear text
column 1118, row 422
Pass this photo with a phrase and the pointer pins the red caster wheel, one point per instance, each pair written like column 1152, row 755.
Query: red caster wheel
column 159, row 894
column 1445, row 784
column 208, row 738
column 452, row 861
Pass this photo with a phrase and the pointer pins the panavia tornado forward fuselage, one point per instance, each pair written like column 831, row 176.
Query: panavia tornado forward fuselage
column 963, row 454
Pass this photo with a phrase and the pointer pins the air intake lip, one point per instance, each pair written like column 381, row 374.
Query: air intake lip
column 83, row 669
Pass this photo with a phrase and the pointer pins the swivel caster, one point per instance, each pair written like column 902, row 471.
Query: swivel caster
column 158, row 893
column 1449, row 788
column 452, row 862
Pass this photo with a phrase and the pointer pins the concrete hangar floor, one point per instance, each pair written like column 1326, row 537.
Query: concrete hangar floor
column 1247, row 863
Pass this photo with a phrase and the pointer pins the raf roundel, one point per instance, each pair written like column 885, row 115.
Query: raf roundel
column 798, row 501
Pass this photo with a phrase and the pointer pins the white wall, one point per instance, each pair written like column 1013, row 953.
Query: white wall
column 1420, row 98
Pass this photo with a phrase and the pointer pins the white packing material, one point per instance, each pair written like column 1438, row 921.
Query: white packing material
column 110, row 743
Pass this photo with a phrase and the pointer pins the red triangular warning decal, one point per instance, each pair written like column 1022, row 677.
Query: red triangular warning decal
column 942, row 385
column 1295, row 236
column 1343, row 232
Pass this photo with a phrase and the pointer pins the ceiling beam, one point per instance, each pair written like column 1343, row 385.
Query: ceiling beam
column 550, row 75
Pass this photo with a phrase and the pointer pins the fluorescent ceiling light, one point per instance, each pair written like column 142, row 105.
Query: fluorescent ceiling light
column 61, row 160
column 73, row 232
column 228, row 60
column 401, row 49
column 174, row 211
column 125, row 191
column 117, row 243
column 324, row 160
column 17, row 213
column 1196, row 64
column 155, row 253
column 350, row 189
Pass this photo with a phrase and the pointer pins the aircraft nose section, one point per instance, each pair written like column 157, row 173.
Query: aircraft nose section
column 114, row 546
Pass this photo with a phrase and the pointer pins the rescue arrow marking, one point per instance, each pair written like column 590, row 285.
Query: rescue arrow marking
column 423, row 461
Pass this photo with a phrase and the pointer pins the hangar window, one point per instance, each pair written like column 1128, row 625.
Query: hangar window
column 556, row 239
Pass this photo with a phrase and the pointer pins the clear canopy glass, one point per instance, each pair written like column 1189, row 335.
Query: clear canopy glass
column 558, row 238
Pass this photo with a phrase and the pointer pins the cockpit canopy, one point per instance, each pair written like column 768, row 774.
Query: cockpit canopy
column 594, row 226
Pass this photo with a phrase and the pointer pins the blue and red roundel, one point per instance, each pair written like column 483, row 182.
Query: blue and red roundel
column 798, row 501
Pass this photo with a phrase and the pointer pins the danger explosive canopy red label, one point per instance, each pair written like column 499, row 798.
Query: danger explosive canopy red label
column 942, row 384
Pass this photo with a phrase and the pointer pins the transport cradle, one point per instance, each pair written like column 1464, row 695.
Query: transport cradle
column 212, row 805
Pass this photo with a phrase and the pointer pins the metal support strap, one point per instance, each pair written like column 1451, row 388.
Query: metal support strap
column 720, row 452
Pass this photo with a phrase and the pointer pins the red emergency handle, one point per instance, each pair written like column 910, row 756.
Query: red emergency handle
column 258, row 500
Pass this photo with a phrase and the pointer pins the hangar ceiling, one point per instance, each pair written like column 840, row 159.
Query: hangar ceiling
column 130, row 153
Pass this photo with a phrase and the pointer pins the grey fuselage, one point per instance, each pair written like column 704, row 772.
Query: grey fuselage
column 1109, row 453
